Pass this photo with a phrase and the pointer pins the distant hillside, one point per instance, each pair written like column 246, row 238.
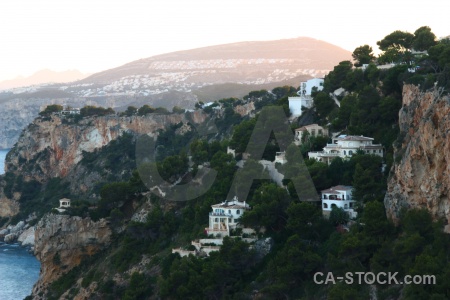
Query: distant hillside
column 175, row 79
column 244, row 61
column 43, row 76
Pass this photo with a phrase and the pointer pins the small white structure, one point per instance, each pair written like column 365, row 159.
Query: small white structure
column 231, row 151
column 280, row 157
column 304, row 98
column 345, row 146
column 64, row 203
column 70, row 111
column 225, row 216
column 313, row 130
column 339, row 196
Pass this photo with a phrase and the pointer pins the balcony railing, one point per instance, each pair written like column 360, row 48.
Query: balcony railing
column 218, row 214
column 321, row 153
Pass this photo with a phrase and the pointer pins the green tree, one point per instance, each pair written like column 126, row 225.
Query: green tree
column 324, row 105
column 424, row 38
column 50, row 109
column 145, row 109
column 178, row 110
column 363, row 55
column 130, row 111
column 335, row 78
column 338, row 216
column 400, row 40
column 269, row 204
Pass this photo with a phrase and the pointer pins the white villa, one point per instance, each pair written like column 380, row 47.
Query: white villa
column 345, row 146
column 339, row 196
column 313, row 130
column 222, row 220
column 304, row 98
column 225, row 216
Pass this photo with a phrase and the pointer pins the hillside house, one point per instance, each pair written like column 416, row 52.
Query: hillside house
column 224, row 217
column 304, row 98
column 280, row 157
column 339, row 196
column 312, row 130
column 64, row 203
column 345, row 146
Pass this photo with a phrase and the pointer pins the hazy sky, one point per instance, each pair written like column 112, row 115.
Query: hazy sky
column 95, row 35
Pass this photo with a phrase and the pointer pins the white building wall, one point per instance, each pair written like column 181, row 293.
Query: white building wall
column 307, row 86
column 296, row 103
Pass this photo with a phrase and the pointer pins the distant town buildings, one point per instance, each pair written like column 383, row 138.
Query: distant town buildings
column 304, row 98
column 345, row 146
column 339, row 196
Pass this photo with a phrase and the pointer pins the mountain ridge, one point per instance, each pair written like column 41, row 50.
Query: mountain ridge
column 41, row 77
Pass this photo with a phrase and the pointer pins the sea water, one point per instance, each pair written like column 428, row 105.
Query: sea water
column 3, row 153
column 19, row 271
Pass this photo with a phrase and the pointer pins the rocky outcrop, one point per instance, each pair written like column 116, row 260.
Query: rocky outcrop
column 15, row 233
column 26, row 238
column 420, row 177
column 61, row 242
column 50, row 148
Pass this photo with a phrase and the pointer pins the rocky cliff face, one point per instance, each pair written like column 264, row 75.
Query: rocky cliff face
column 420, row 175
column 61, row 242
column 51, row 147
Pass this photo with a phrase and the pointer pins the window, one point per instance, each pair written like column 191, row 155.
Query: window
column 345, row 152
column 216, row 220
column 324, row 196
column 238, row 212
column 345, row 206
column 229, row 211
column 350, row 152
column 320, row 132
column 325, row 205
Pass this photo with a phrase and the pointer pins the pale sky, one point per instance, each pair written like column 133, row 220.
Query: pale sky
column 96, row 35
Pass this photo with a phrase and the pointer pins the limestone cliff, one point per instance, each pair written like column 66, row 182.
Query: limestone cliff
column 420, row 177
column 54, row 147
column 51, row 147
column 62, row 242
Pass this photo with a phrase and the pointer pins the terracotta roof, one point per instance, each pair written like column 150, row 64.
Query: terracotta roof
column 303, row 128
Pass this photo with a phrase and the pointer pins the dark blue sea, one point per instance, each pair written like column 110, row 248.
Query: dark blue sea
column 19, row 270
column 3, row 153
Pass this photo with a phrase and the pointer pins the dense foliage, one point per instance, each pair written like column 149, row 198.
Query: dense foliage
column 304, row 242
